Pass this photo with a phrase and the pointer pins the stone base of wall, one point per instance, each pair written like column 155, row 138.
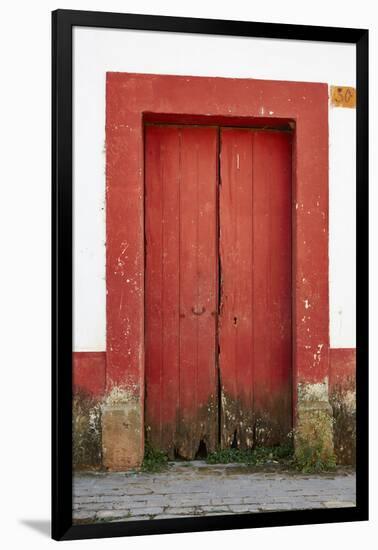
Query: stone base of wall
column 105, row 436
column 122, row 433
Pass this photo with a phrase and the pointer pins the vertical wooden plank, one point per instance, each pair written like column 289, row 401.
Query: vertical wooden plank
column 262, row 310
column 235, row 328
column 207, row 293
column 181, row 288
column 272, row 286
column 162, row 285
column 171, row 288
column 198, row 290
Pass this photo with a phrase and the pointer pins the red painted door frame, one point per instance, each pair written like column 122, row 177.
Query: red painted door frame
column 247, row 102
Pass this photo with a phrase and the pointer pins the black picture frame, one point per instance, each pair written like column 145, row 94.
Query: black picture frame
column 63, row 22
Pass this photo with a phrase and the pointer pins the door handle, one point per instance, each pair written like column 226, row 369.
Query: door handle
column 197, row 311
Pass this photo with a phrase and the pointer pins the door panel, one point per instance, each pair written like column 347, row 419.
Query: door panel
column 181, row 288
column 255, row 312
column 182, row 326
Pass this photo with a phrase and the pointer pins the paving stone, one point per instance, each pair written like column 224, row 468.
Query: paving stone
column 137, row 491
column 232, row 500
column 94, row 506
column 133, row 503
column 242, row 508
column 339, row 504
column 279, row 506
column 111, row 514
column 189, row 501
column 137, row 518
column 172, row 516
column 84, row 514
column 214, row 508
column 153, row 510
column 175, row 511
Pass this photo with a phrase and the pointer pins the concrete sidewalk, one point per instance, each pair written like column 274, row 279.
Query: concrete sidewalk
column 200, row 489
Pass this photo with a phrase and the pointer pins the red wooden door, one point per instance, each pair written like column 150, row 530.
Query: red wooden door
column 255, row 310
column 199, row 348
column 181, row 288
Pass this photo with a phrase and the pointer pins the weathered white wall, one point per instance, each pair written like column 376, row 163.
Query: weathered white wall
column 342, row 233
column 101, row 50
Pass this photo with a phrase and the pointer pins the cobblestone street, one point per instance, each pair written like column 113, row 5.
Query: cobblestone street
column 198, row 489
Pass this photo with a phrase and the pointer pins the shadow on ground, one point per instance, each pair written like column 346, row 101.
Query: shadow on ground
column 42, row 526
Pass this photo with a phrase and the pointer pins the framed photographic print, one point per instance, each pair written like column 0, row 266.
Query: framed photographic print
column 210, row 296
